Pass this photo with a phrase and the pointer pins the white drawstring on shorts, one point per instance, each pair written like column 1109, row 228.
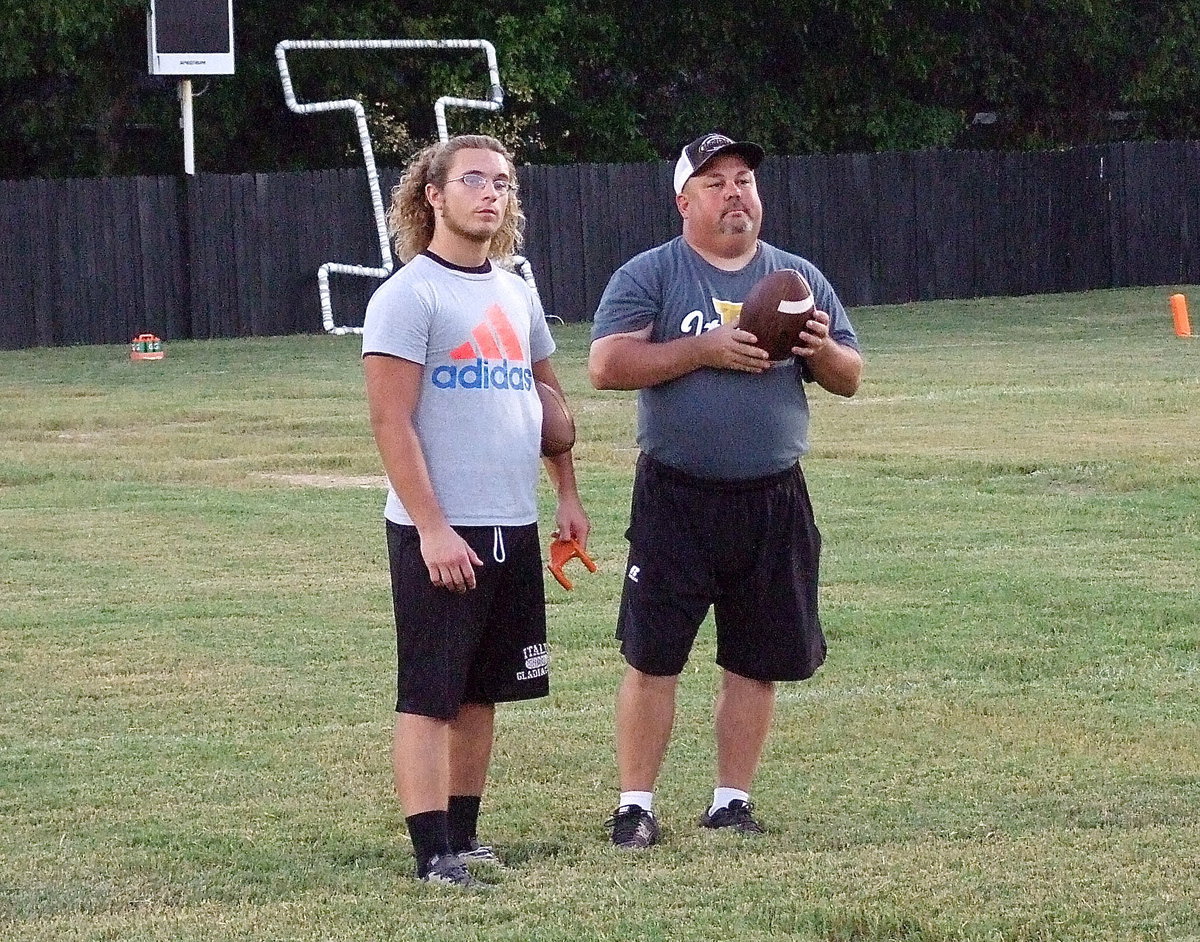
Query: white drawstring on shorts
column 498, row 553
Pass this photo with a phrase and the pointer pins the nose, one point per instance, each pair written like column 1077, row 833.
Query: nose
column 489, row 194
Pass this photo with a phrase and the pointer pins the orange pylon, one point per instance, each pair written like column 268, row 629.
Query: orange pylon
column 1179, row 311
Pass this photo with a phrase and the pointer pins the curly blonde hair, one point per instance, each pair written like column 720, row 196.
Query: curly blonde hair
column 410, row 218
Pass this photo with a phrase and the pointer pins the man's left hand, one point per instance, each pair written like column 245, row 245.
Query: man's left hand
column 571, row 521
column 814, row 336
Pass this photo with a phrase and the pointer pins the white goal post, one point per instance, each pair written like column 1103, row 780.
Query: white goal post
column 494, row 102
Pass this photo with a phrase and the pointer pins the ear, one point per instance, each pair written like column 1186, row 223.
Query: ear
column 433, row 196
column 682, row 203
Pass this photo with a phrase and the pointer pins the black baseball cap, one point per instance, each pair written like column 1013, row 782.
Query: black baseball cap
column 703, row 149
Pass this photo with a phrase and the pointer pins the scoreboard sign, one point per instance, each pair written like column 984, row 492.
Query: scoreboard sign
column 190, row 37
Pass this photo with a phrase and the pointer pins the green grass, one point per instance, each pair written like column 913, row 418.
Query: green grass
column 196, row 656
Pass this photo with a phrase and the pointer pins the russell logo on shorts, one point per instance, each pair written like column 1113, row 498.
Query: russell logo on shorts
column 537, row 662
column 492, row 359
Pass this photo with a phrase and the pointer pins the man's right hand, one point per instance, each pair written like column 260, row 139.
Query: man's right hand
column 449, row 558
column 633, row 361
column 728, row 347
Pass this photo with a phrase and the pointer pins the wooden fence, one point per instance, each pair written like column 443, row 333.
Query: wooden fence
column 98, row 261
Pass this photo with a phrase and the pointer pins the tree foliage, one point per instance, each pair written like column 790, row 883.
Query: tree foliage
column 625, row 80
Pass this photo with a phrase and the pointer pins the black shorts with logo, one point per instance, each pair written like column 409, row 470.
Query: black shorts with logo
column 487, row 645
column 749, row 549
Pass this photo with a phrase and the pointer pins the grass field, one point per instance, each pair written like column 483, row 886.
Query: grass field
column 196, row 657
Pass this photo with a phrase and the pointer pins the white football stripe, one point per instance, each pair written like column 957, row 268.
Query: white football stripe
column 796, row 307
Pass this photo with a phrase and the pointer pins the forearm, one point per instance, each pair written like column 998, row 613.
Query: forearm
column 625, row 363
column 836, row 368
column 408, row 474
column 632, row 361
column 393, row 388
column 561, row 471
column 570, row 519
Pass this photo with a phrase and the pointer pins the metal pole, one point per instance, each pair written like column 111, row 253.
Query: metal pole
column 185, row 122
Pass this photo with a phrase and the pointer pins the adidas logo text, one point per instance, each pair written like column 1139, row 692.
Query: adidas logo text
column 484, row 374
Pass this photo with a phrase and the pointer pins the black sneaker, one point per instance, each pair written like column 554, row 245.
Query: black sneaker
column 449, row 870
column 633, row 827
column 475, row 852
column 739, row 816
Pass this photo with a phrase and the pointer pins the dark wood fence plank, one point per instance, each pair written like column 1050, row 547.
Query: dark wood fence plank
column 148, row 259
column 824, row 231
column 948, row 199
column 1087, row 228
column 263, row 312
column 208, row 256
column 221, row 314
column 845, row 254
column 1013, row 207
column 77, row 308
column 290, row 281
column 799, row 210
column 197, row 256
column 537, row 235
column 244, row 245
column 1161, row 186
column 1189, row 213
column 47, row 264
column 565, row 249
column 18, row 271
column 127, row 272
column 989, row 263
column 101, row 277
column 600, row 217
column 626, row 187
column 893, row 229
column 773, row 192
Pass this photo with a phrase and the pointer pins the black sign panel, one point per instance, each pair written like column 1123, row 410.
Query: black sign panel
column 192, row 26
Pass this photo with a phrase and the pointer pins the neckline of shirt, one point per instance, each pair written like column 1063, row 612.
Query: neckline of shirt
column 483, row 269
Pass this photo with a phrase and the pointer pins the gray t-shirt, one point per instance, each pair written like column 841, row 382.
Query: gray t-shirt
column 712, row 423
column 478, row 418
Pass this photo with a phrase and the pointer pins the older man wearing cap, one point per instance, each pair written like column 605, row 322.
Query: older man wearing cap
column 720, row 514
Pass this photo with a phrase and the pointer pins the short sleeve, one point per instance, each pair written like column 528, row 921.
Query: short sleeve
column 630, row 302
column 397, row 321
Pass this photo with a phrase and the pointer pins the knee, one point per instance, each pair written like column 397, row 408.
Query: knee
column 649, row 683
column 747, row 686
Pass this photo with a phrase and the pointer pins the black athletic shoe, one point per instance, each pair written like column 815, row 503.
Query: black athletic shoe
column 449, row 870
column 633, row 827
column 739, row 816
column 479, row 853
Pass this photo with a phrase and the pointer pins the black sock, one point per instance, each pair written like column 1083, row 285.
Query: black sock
column 430, row 837
column 464, row 819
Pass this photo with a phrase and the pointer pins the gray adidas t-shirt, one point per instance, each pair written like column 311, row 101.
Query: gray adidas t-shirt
column 713, row 423
column 478, row 418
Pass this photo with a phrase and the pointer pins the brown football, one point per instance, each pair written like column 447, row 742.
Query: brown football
column 776, row 310
column 558, row 427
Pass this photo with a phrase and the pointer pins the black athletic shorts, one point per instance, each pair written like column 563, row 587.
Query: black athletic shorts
column 749, row 549
column 487, row 645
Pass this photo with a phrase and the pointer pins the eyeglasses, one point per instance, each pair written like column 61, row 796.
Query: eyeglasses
column 477, row 181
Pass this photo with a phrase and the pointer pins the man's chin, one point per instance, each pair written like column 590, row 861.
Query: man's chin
column 480, row 234
column 737, row 225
